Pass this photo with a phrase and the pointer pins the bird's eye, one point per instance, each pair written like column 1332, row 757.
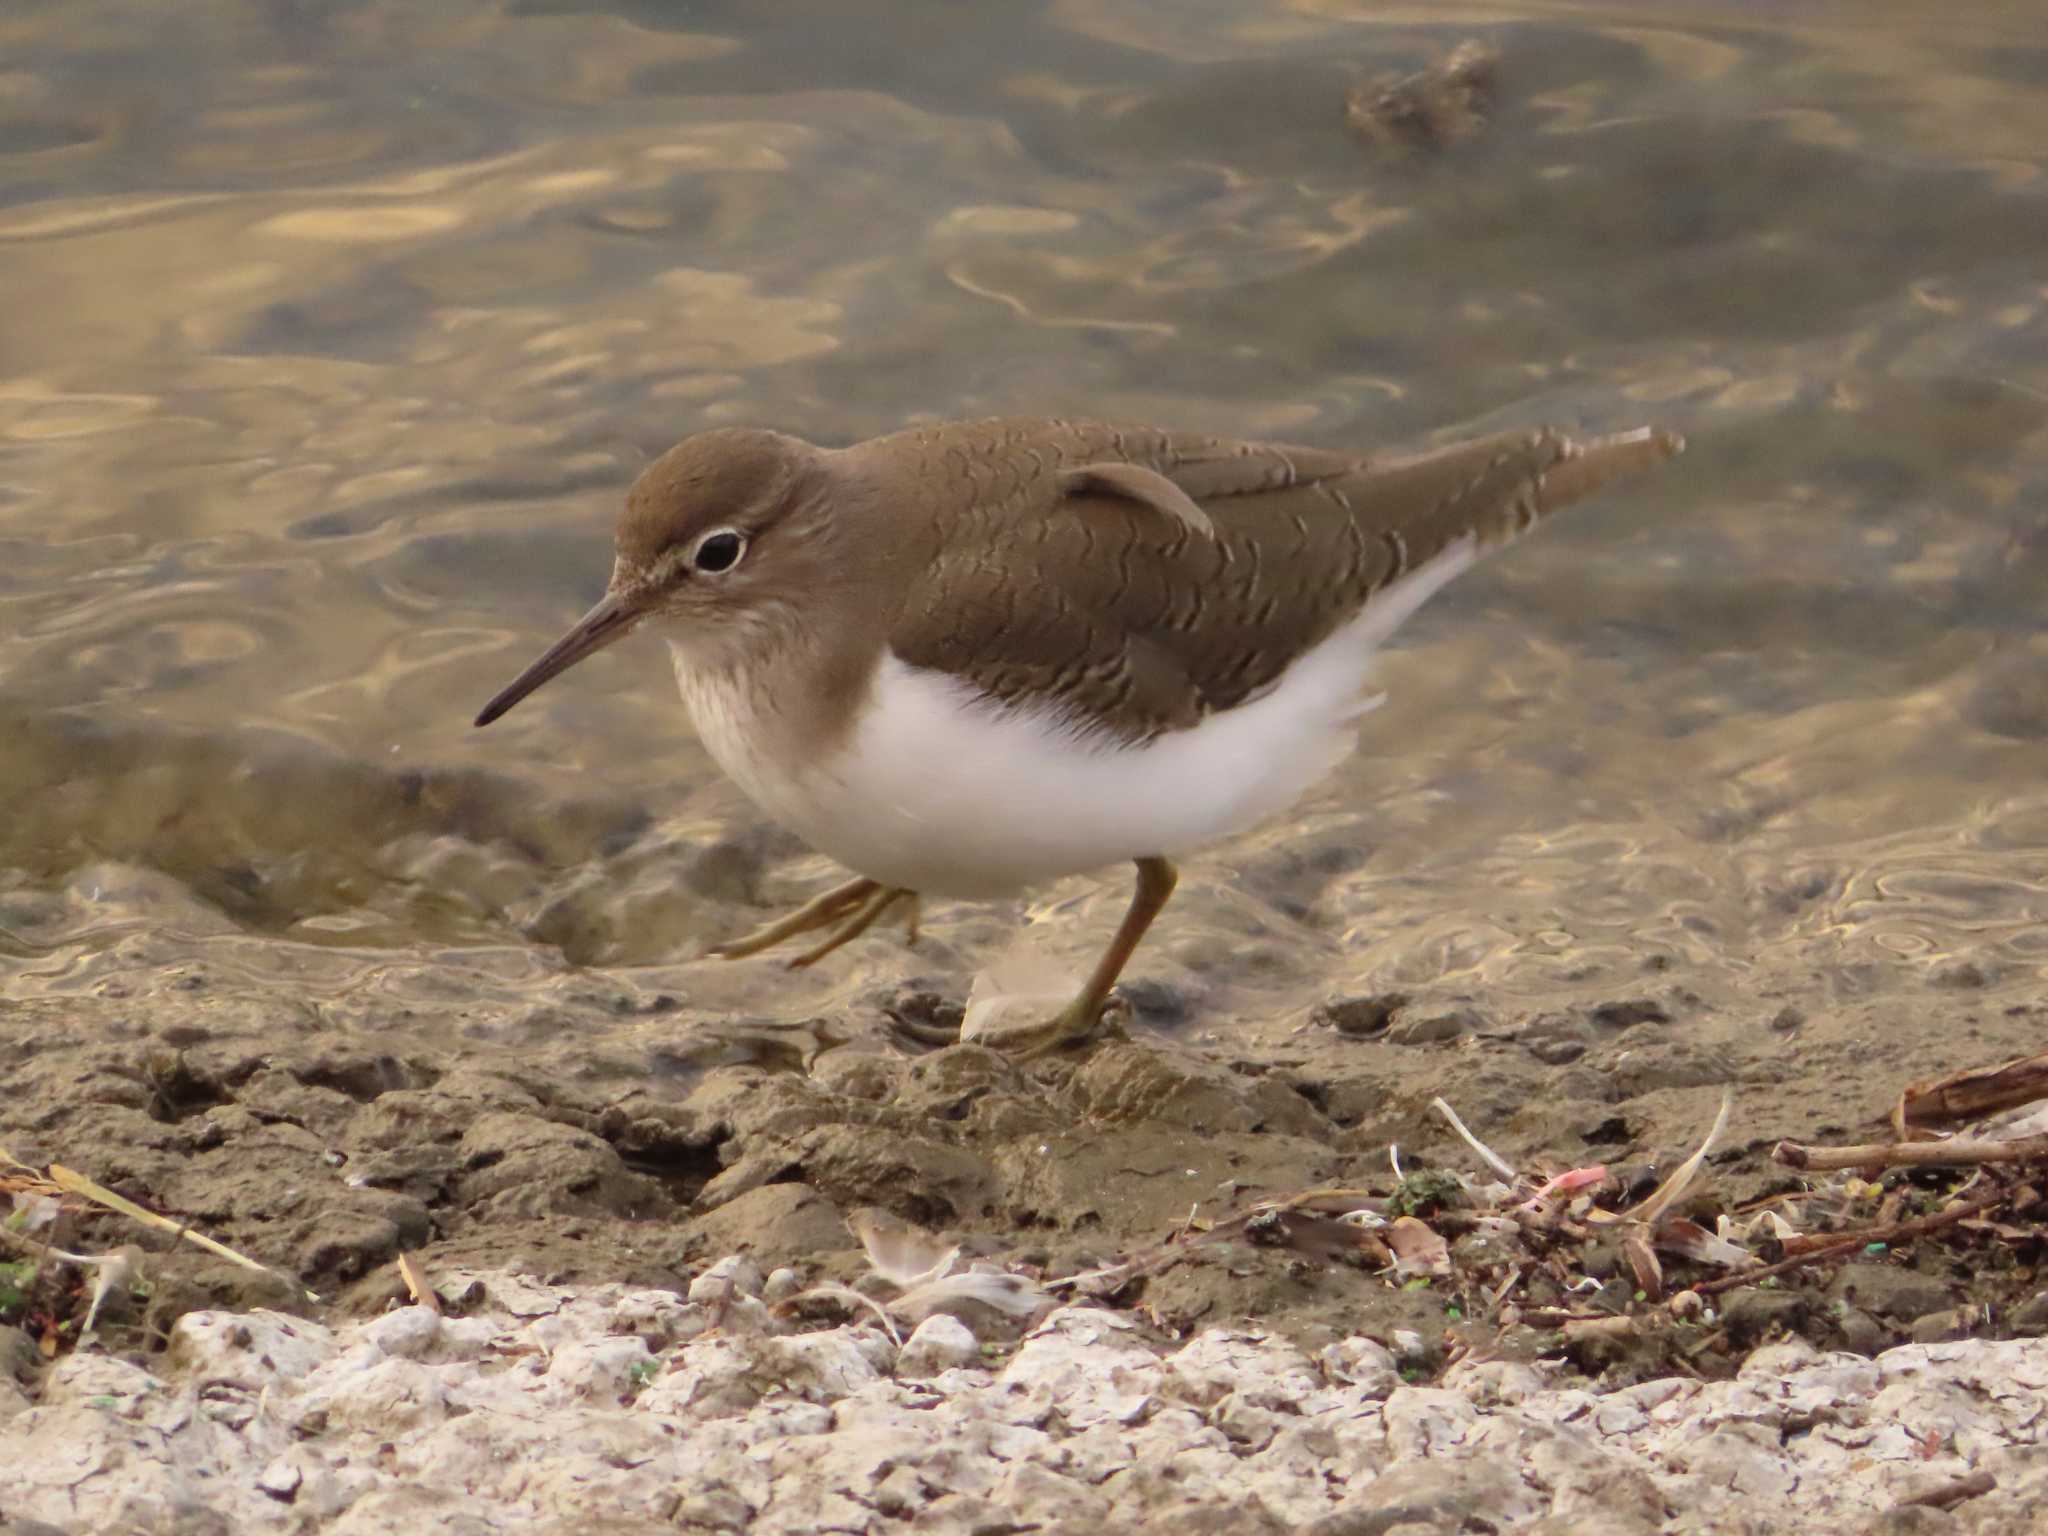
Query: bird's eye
column 719, row 550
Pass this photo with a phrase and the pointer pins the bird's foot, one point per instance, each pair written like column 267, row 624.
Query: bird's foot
column 848, row 910
column 1083, row 1021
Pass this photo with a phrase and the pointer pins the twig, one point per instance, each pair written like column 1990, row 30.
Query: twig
column 1842, row 1244
column 1500, row 1292
column 1563, row 1183
column 78, row 1184
column 1492, row 1159
column 1957, row 1153
column 1976, row 1091
column 1557, row 1317
column 1665, row 1195
column 1618, row 1325
column 1838, row 1250
column 1892, row 1232
column 416, row 1283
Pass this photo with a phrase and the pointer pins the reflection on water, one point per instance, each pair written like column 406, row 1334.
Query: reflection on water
column 333, row 333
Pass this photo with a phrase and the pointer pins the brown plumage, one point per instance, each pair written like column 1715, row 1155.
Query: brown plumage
column 1051, row 582
column 968, row 656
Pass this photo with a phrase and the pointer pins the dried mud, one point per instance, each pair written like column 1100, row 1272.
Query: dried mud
column 616, row 1137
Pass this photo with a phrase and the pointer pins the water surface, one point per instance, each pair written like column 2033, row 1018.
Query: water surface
column 333, row 334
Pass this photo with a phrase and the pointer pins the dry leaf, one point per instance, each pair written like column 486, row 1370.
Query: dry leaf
column 1690, row 1240
column 1418, row 1249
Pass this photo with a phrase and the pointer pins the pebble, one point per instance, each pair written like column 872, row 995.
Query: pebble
column 556, row 1408
column 941, row 1343
column 734, row 1276
column 1365, row 1364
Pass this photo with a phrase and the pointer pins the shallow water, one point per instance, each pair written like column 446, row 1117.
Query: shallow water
column 332, row 335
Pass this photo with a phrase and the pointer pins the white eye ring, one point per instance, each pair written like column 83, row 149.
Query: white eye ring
column 718, row 551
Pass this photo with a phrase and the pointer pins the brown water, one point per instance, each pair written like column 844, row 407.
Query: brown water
column 331, row 335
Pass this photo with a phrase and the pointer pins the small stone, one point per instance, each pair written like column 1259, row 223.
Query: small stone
column 1755, row 1315
column 659, row 1318
column 734, row 1275
column 780, row 1285
column 407, row 1333
column 280, row 1479
column 1862, row 1333
column 1248, row 1427
column 18, row 1354
column 1365, row 1364
column 940, row 1343
column 1436, row 1029
column 2031, row 1315
column 1629, row 1012
column 1360, row 1018
column 1410, row 1348
column 1889, row 1291
column 1951, row 1323
column 607, row 1369
column 1555, row 1039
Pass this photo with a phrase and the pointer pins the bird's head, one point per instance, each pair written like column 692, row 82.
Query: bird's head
column 722, row 536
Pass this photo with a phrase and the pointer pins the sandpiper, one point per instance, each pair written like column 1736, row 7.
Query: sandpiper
column 963, row 659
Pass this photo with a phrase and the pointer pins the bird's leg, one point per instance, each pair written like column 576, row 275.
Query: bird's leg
column 859, row 921
column 819, row 912
column 1078, row 1020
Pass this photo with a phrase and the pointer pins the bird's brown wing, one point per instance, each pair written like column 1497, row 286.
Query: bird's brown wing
column 1138, row 581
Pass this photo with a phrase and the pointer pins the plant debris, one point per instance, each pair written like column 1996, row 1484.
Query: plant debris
column 37, row 1205
column 1540, row 1247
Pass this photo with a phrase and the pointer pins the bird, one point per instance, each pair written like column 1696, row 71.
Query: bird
column 967, row 658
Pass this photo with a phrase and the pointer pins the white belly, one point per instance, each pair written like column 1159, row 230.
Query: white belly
column 942, row 793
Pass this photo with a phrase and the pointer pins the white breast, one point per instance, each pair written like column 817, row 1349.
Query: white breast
column 941, row 792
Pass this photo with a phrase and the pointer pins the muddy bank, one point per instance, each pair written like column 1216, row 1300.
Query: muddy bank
column 613, row 1135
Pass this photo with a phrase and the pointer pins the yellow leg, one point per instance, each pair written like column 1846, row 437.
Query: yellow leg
column 1078, row 1020
column 819, row 912
column 849, row 910
column 859, row 922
